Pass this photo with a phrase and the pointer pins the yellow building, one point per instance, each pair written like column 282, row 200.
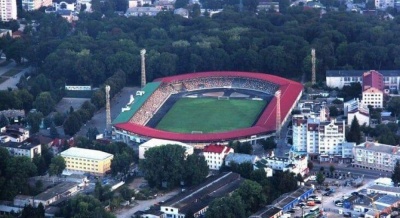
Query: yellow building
column 83, row 160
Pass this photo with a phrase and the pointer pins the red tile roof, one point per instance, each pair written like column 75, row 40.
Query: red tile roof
column 216, row 149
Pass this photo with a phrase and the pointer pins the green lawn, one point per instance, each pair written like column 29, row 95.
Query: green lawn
column 210, row 115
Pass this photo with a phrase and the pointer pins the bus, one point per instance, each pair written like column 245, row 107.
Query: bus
column 315, row 210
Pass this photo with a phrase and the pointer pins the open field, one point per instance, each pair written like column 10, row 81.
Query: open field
column 211, row 115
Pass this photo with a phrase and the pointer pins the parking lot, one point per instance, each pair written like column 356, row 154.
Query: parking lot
column 337, row 193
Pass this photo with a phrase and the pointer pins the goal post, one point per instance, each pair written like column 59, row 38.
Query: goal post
column 223, row 98
column 197, row 132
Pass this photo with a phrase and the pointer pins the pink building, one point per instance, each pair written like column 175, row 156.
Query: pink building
column 372, row 79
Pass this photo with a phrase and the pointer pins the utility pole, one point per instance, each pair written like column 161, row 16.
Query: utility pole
column 143, row 65
column 108, row 110
column 313, row 76
column 278, row 115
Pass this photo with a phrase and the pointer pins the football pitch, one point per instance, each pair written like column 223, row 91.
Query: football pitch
column 209, row 115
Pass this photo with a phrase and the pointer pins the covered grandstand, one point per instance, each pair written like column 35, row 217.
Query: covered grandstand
column 131, row 125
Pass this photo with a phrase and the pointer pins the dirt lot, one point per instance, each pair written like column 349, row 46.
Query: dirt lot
column 65, row 103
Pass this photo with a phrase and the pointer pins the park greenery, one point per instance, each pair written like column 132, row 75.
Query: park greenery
column 15, row 171
column 256, row 191
column 124, row 156
column 168, row 167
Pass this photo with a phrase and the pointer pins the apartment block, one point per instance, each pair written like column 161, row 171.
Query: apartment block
column 319, row 137
column 376, row 156
column 8, row 10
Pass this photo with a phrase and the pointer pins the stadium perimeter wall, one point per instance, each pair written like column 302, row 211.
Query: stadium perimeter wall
column 266, row 125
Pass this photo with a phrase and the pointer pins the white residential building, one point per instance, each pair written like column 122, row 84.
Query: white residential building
column 30, row 5
column 297, row 165
column 22, row 148
column 318, row 136
column 14, row 133
column 340, row 78
column 373, row 155
column 373, row 97
column 8, row 10
column 160, row 142
column 215, row 155
column 355, row 108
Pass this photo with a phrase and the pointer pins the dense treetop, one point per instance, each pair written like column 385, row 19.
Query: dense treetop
column 277, row 43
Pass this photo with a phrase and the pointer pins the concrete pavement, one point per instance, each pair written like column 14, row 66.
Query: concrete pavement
column 143, row 205
column 12, row 82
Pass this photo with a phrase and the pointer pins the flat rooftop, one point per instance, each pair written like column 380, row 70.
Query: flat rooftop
column 267, row 212
column 85, row 153
column 201, row 195
column 56, row 190
column 284, row 200
column 19, row 145
column 385, row 188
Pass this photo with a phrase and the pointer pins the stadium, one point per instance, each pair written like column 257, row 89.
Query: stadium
column 207, row 107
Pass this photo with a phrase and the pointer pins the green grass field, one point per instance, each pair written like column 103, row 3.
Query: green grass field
column 210, row 115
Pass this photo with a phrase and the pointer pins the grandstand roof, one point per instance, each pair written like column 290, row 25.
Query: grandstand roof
column 139, row 101
column 290, row 93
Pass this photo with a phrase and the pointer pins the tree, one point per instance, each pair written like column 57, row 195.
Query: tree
column 72, row 124
column 268, row 144
column 53, row 131
column 227, row 207
column 320, row 178
column 44, row 103
column 181, row 3
column 84, row 206
column 310, row 165
column 34, row 120
column 196, row 169
column 333, row 111
column 354, row 135
column 163, row 166
column 394, row 106
column 252, row 192
column 4, row 121
column 332, row 169
column 92, row 133
column 57, row 166
column 244, row 169
column 396, row 174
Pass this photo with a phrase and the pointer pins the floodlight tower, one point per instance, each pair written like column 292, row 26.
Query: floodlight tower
column 108, row 111
column 313, row 79
column 143, row 64
column 278, row 114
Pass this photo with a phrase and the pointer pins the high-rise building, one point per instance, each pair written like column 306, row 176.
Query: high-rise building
column 8, row 10
column 318, row 137
column 30, row 5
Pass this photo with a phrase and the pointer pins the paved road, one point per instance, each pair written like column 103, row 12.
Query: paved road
column 143, row 205
column 99, row 118
column 12, row 81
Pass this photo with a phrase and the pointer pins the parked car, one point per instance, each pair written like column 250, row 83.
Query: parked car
column 327, row 194
column 346, row 214
column 310, row 203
